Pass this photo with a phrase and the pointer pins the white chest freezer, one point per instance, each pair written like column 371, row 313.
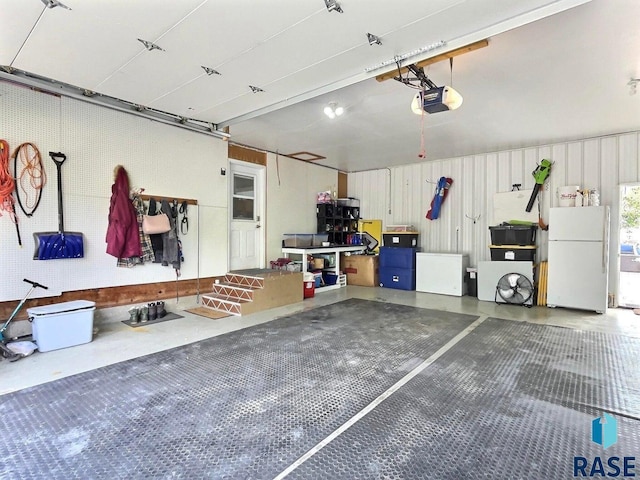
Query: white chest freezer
column 62, row 325
column 441, row 273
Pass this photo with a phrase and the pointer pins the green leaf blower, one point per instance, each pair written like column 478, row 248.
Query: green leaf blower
column 540, row 174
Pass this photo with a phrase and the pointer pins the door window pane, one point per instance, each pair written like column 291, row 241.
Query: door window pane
column 243, row 197
column 242, row 208
column 243, row 186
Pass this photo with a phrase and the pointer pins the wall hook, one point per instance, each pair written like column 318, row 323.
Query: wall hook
column 475, row 219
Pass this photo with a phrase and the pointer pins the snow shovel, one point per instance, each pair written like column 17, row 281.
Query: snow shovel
column 60, row 244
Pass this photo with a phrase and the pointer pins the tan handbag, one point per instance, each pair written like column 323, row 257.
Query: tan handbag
column 152, row 224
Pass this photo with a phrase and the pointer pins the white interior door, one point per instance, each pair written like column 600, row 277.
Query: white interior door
column 246, row 214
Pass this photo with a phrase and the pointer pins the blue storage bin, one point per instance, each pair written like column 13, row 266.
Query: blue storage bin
column 398, row 257
column 330, row 278
column 398, row 278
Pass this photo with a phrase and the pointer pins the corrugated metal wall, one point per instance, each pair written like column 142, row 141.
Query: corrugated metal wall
column 401, row 195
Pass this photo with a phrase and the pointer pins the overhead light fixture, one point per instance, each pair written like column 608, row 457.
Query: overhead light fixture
column 54, row 4
column 439, row 99
column 333, row 110
column 150, row 45
column 333, row 6
column 633, row 85
column 373, row 39
column 210, row 71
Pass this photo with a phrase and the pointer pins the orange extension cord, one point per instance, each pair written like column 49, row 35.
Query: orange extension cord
column 31, row 169
column 7, row 184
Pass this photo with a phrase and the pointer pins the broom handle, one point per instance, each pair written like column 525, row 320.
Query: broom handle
column 54, row 156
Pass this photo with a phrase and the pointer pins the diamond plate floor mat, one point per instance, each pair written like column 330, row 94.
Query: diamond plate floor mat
column 242, row 405
column 511, row 400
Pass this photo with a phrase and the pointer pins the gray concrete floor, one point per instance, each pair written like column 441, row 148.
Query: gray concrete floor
column 116, row 342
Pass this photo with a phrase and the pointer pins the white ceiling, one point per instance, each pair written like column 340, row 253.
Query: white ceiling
column 553, row 70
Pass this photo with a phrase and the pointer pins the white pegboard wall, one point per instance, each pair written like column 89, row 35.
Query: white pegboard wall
column 165, row 160
column 34, row 118
column 96, row 139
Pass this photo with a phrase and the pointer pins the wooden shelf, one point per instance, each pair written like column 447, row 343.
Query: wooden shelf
column 158, row 198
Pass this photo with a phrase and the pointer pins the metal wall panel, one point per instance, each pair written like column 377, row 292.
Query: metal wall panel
column 627, row 153
column 575, row 163
column 601, row 163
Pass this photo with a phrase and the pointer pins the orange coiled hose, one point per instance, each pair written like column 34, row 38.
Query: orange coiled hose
column 7, row 184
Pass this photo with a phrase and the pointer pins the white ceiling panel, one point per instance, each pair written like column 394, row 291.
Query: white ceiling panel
column 87, row 44
column 553, row 70
column 560, row 78
column 150, row 75
column 13, row 33
column 223, row 30
column 206, row 91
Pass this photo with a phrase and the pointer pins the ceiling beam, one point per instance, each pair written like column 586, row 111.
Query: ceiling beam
column 435, row 59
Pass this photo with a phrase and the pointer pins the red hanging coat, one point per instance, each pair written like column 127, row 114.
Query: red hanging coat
column 123, row 239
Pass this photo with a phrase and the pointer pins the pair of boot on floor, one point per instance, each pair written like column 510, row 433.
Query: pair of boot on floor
column 150, row 311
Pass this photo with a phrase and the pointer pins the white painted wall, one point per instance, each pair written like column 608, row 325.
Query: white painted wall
column 163, row 159
column 291, row 199
column 401, row 195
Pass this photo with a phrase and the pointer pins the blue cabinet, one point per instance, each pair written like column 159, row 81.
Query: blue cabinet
column 398, row 257
column 399, row 278
column 398, row 268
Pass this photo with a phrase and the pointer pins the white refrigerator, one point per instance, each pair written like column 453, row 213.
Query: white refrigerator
column 578, row 273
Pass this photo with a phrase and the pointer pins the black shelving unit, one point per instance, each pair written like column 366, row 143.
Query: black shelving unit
column 339, row 220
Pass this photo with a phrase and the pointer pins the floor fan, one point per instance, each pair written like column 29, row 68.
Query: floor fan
column 514, row 288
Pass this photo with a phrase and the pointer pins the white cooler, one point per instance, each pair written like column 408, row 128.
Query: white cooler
column 62, row 325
